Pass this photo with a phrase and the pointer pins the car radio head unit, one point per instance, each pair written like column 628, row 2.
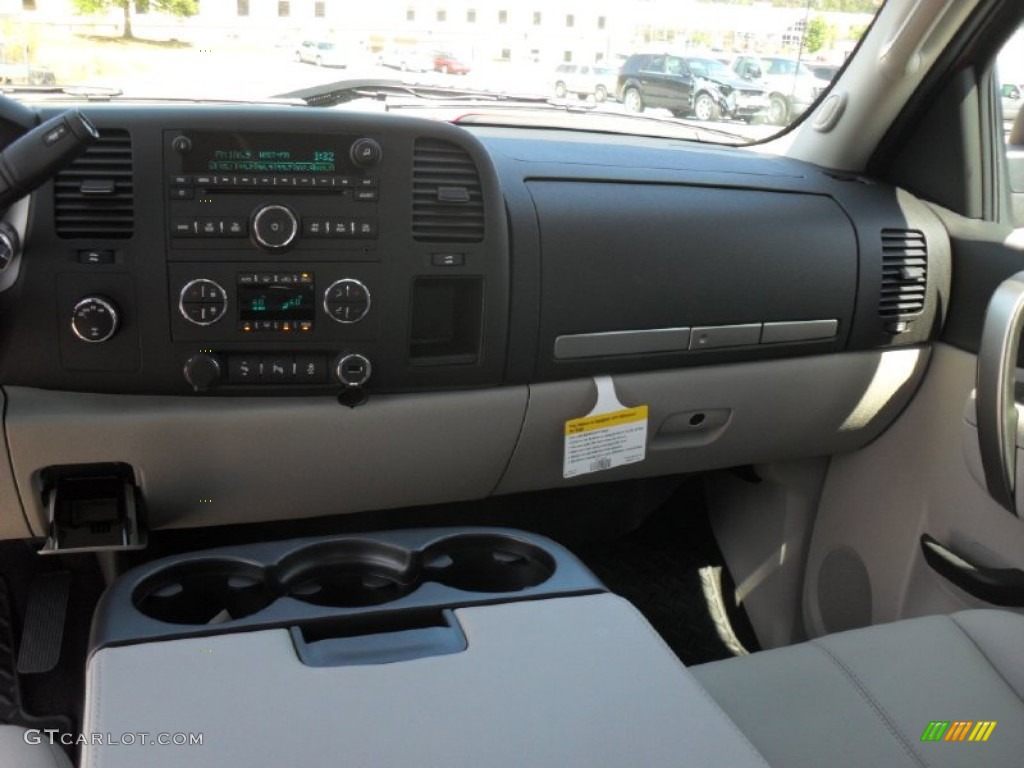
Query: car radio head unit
column 268, row 153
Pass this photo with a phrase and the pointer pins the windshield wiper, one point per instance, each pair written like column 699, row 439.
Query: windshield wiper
column 90, row 92
column 344, row 91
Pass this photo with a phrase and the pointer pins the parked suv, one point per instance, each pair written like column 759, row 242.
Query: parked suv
column 687, row 85
column 585, row 80
column 791, row 85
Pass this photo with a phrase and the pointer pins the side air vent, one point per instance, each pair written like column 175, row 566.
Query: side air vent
column 94, row 196
column 447, row 204
column 904, row 276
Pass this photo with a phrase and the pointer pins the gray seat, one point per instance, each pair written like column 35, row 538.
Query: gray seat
column 18, row 752
column 867, row 696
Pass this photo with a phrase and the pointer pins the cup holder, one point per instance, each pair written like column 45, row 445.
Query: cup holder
column 340, row 574
column 204, row 592
column 349, row 574
column 487, row 563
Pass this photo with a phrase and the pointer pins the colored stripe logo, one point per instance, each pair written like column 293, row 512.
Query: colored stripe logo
column 958, row 730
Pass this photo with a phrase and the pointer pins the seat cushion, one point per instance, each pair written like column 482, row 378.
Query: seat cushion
column 867, row 697
column 35, row 752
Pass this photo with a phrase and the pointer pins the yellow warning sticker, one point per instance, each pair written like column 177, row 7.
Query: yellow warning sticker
column 603, row 441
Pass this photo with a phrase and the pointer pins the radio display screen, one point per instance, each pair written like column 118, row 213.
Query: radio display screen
column 268, row 153
column 276, row 302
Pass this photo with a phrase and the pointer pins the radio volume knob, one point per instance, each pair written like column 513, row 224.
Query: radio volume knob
column 274, row 227
column 95, row 319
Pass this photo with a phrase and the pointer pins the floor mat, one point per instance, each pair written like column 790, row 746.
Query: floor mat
column 672, row 570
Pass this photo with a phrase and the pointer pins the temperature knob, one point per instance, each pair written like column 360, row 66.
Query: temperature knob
column 95, row 319
column 274, row 227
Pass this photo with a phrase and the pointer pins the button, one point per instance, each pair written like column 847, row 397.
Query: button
column 247, row 279
column 448, row 259
column 284, row 181
column 244, row 181
column 801, row 330
column 264, row 181
column 304, row 181
column 315, row 227
column 344, row 181
column 96, row 256
column 194, row 312
column 243, row 369
column 323, row 181
column 224, row 181
column 310, row 369
column 181, row 180
column 182, row 193
column 366, row 195
column 367, row 181
column 204, row 180
column 365, row 228
column 55, row 134
column 278, row 368
column 725, row 336
column 208, row 227
column 235, row 227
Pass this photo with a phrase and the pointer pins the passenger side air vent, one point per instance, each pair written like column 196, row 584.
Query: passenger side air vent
column 447, row 203
column 94, row 196
column 904, row 276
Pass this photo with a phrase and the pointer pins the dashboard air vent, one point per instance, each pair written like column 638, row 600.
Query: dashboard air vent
column 94, row 195
column 447, row 203
column 904, row 273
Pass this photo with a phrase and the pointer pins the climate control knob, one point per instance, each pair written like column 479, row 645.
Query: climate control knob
column 347, row 301
column 95, row 319
column 274, row 227
column 352, row 370
column 202, row 372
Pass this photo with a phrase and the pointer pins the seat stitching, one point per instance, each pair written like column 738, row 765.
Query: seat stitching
column 873, row 703
column 985, row 656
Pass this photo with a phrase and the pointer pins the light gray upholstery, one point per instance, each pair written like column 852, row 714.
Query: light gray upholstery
column 16, row 752
column 865, row 697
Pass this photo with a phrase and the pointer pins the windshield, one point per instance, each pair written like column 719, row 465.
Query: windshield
column 254, row 50
column 709, row 68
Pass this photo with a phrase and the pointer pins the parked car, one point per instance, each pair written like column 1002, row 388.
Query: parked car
column 406, row 59
column 449, row 63
column 323, row 53
column 703, row 87
column 1012, row 98
column 792, row 86
column 585, row 80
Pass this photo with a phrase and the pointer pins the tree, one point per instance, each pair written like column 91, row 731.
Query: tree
column 173, row 7
column 816, row 34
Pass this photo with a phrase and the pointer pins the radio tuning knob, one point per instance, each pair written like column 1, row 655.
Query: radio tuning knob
column 274, row 227
column 366, row 152
column 202, row 372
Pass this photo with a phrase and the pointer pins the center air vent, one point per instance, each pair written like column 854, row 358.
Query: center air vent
column 447, row 204
column 94, row 195
column 904, row 274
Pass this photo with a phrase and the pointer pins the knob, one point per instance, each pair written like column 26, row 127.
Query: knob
column 95, row 319
column 353, row 370
column 203, row 301
column 274, row 227
column 8, row 245
column 202, row 372
column 347, row 301
column 366, row 152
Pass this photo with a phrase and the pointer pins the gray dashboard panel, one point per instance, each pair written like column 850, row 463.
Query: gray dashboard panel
column 744, row 413
column 217, row 461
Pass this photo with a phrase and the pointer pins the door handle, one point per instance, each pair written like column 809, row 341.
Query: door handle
column 999, row 586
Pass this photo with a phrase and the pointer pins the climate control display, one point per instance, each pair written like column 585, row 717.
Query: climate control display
column 276, row 302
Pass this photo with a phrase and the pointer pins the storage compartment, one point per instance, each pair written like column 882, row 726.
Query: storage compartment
column 447, row 315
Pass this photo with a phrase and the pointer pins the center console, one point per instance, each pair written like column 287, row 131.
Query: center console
column 433, row 647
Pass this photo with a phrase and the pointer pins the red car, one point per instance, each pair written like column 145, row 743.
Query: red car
column 449, row 64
